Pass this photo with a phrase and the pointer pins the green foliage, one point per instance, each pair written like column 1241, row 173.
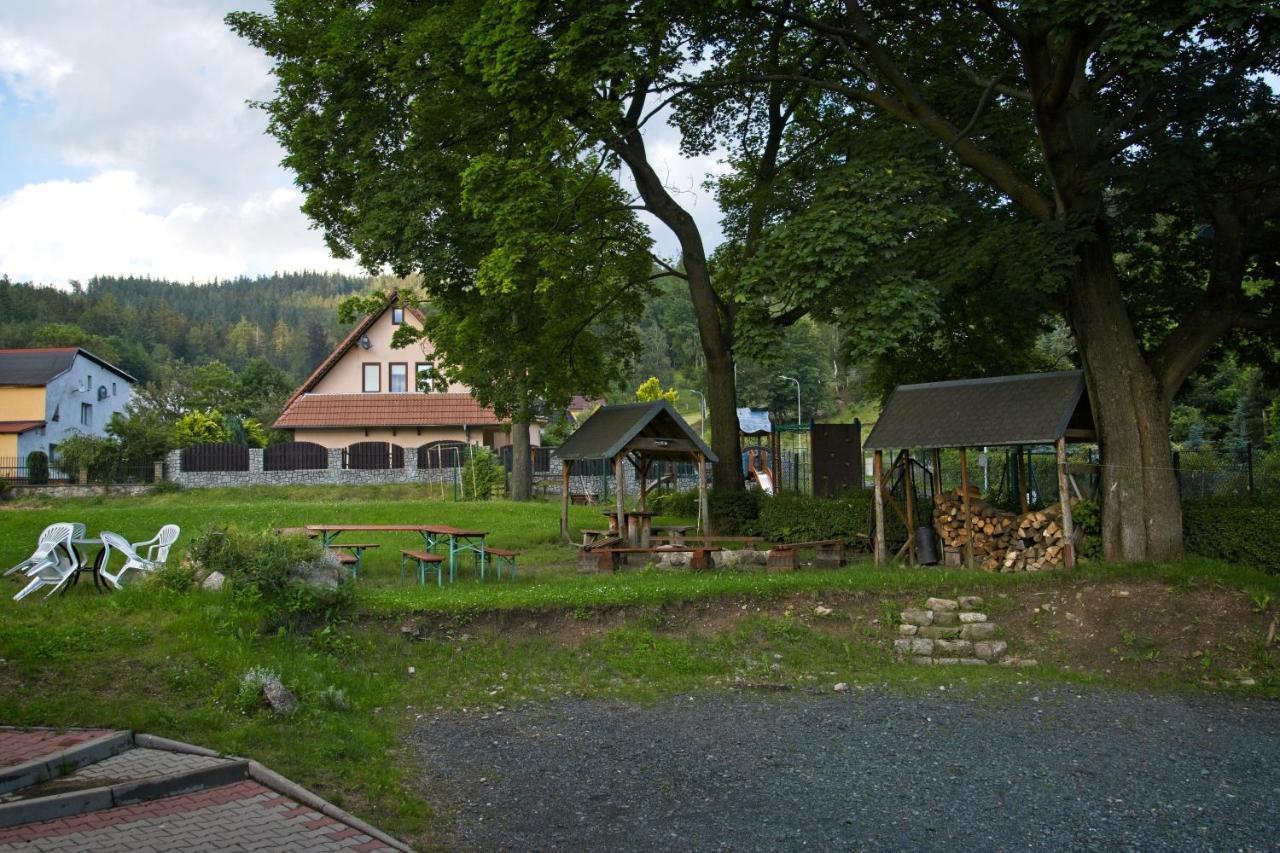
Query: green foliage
column 679, row 504
column 141, row 435
column 651, row 390
column 200, row 427
column 483, row 477
column 800, row 518
column 1243, row 533
column 269, row 570
column 734, row 513
column 98, row 456
column 175, row 575
column 249, row 696
column 5, row 488
column 1086, row 517
column 37, row 468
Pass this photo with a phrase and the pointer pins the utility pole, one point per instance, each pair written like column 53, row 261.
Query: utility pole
column 797, row 381
column 702, row 427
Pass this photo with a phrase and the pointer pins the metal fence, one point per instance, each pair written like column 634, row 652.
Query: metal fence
column 14, row 470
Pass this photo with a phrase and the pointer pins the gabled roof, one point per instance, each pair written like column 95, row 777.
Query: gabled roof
column 1034, row 408
column 608, row 432
column 411, row 409
column 38, row 367
column 347, row 343
column 18, row 427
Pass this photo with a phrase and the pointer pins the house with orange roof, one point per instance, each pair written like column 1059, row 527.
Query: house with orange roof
column 51, row 393
column 365, row 390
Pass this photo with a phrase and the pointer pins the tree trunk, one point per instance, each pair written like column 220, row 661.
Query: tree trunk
column 1141, row 513
column 713, row 330
column 521, row 462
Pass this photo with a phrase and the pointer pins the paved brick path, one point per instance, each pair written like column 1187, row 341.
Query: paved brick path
column 19, row 747
column 243, row 816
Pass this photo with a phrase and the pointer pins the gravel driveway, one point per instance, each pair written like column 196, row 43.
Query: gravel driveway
column 1051, row 769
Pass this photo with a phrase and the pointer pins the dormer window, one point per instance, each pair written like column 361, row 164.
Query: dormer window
column 397, row 316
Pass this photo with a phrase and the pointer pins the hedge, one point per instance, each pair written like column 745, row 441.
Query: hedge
column 1247, row 533
column 800, row 518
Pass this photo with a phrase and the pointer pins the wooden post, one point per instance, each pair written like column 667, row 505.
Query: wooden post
column 968, row 515
column 877, row 473
column 1022, row 479
column 566, row 468
column 619, row 477
column 704, row 517
column 1064, row 498
column 937, row 474
column 908, row 481
column 644, row 482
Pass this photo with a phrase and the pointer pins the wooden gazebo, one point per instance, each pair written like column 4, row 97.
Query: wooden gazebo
column 638, row 433
column 1030, row 409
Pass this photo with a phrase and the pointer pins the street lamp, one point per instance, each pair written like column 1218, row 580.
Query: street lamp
column 702, row 427
column 797, row 381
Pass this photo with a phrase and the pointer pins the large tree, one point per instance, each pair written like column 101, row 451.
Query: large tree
column 1067, row 110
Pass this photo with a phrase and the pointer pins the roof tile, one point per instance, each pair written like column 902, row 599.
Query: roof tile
column 385, row 410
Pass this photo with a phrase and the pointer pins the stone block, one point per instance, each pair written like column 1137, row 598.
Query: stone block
column 921, row 647
column 917, row 617
column 946, row 619
column 946, row 661
column 953, row 647
column 972, row 662
column 908, row 630
column 970, row 616
column 991, row 649
column 978, row 631
column 942, row 605
column 936, row 633
column 902, row 647
column 970, row 602
column 922, row 660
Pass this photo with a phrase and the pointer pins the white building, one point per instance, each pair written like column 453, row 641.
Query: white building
column 47, row 395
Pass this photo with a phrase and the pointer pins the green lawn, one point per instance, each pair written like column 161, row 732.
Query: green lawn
column 169, row 663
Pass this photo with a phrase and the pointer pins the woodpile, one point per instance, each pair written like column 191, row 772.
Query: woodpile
column 1002, row 541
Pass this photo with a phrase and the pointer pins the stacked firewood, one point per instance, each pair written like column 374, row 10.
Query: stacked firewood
column 1002, row 541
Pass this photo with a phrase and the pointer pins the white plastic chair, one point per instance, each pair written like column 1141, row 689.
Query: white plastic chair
column 59, row 566
column 157, row 549
column 50, row 538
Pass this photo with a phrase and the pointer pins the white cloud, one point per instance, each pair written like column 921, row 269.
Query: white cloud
column 112, row 224
column 30, row 69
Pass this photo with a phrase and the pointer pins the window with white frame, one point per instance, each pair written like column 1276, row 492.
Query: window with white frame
column 372, row 377
column 86, row 414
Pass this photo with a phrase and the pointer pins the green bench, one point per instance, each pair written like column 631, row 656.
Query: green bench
column 426, row 563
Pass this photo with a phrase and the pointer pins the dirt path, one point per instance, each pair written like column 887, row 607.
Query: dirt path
column 1048, row 769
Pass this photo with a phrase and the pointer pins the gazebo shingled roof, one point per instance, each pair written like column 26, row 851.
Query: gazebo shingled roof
column 611, row 429
column 1034, row 408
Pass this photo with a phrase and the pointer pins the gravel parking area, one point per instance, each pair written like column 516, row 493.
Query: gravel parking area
column 1048, row 769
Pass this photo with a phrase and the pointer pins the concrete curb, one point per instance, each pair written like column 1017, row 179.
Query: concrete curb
column 281, row 785
column 145, row 741
column 56, row 764
column 72, row 803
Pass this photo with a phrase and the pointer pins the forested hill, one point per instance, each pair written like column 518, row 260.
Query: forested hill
column 145, row 324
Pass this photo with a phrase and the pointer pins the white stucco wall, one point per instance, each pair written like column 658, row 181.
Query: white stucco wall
column 346, row 377
column 64, row 396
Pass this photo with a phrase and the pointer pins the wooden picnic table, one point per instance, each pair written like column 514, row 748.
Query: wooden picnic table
column 677, row 531
column 639, row 525
column 458, row 539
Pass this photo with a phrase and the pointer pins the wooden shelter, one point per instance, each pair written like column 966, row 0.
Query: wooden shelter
column 638, row 433
column 1036, row 408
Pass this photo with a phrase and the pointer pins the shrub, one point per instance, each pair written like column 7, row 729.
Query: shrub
column 165, row 487
column 199, row 428
column 178, row 576
column 5, row 488
column 799, row 518
column 1086, row 516
column 249, row 696
column 37, row 468
column 278, row 572
column 734, row 513
column 1244, row 533
column 483, row 476
column 682, row 504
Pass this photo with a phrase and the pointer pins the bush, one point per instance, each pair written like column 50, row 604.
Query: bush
column 274, row 570
column 5, row 488
column 800, row 518
column 37, row 468
column 681, row 504
column 165, row 487
column 1244, row 533
column 178, row 576
column 734, row 513
column 1087, row 517
column 483, row 476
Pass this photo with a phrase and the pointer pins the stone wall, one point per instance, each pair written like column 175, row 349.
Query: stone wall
column 72, row 491
column 950, row 631
column 550, row 482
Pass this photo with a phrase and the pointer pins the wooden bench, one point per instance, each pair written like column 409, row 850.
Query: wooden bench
column 426, row 562
column 295, row 531
column 503, row 557
column 700, row 559
column 590, row 537
column 583, row 498
column 591, row 557
column 828, row 553
column 748, row 541
column 351, row 554
column 677, row 532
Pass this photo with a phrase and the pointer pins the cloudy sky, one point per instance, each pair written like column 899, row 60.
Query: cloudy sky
column 127, row 147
